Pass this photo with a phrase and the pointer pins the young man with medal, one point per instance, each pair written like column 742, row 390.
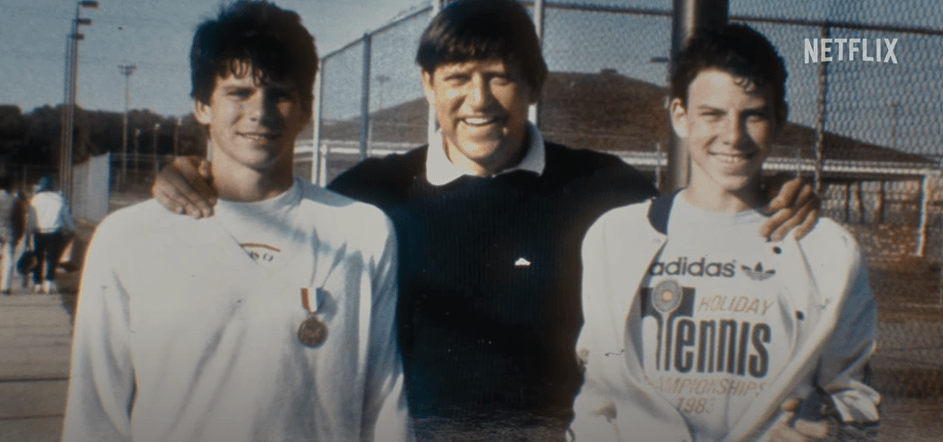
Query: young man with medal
column 274, row 319
column 489, row 219
column 696, row 330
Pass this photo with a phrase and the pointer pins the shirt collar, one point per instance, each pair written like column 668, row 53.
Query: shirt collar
column 440, row 171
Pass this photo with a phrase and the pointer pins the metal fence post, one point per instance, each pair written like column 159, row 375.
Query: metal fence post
column 433, row 125
column 688, row 16
column 820, row 119
column 533, row 111
column 316, row 127
column 365, row 98
column 924, row 215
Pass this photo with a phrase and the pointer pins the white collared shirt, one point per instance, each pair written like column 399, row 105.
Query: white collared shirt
column 440, row 171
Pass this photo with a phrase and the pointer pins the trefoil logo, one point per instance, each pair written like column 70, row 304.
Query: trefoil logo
column 757, row 273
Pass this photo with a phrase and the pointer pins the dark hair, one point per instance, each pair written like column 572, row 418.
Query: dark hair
column 469, row 30
column 738, row 50
column 44, row 183
column 269, row 39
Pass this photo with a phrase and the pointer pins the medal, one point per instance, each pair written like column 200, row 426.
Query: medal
column 312, row 331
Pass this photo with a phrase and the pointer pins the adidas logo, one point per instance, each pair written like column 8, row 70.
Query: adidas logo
column 757, row 273
column 683, row 267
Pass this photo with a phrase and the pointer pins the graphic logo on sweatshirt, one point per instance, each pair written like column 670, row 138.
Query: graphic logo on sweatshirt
column 261, row 253
column 682, row 266
column 757, row 273
column 722, row 345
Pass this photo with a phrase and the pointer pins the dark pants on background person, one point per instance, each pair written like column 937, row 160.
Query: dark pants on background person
column 48, row 247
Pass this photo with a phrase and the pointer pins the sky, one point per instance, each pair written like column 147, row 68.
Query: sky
column 153, row 35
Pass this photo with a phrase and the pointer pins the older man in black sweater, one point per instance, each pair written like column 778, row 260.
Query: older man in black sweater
column 489, row 305
column 489, row 218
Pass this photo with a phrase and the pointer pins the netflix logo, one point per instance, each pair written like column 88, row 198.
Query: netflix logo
column 878, row 50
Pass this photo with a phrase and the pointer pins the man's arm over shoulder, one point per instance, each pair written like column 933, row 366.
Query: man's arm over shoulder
column 101, row 386
column 607, row 175
column 184, row 186
column 380, row 181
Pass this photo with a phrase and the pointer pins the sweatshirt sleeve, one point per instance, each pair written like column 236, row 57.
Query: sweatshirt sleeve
column 385, row 413
column 841, row 370
column 101, row 385
column 594, row 411
column 615, row 402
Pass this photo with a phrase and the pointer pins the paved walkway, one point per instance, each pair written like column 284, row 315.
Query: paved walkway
column 35, row 340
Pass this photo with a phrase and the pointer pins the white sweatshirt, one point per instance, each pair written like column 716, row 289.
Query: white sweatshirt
column 824, row 279
column 49, row 213
column 181, row 335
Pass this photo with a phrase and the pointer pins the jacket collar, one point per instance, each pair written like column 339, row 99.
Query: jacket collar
column 440, row 171
column 659, row 211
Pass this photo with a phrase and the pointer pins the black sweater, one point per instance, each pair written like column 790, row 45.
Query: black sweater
column 489, row 304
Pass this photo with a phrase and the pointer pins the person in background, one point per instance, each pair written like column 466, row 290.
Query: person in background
column 12, row 226
column 50, row 225
column 697, row 330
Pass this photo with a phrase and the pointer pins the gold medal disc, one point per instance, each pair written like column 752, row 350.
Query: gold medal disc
column 312, row 332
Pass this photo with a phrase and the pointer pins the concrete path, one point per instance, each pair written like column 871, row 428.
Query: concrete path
column 35, row 341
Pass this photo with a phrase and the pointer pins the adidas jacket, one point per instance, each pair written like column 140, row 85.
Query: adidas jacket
column 824, row 274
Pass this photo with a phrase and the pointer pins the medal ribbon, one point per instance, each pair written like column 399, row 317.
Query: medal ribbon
column 305, row 302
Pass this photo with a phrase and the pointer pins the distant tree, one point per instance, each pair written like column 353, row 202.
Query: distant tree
column 40, row 144
column 192, row 137
column 13, row 128
column 97, row 132
column 34, row 138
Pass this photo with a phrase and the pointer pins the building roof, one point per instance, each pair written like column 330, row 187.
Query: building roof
column 611, row 112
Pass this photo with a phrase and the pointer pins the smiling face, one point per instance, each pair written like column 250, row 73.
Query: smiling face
column 727, row 125
column 481, row 107
column 253, row 123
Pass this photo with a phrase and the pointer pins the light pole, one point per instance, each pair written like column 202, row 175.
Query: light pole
column 156, row 128
column 137, row 152
column 382, row 79
column 126, row 70
column 68, row 111
column 688, row 16
column 176, row 136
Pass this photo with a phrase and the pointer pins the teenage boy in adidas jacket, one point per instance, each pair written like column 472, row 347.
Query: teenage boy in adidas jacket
column 697, row 330
column 273, row 320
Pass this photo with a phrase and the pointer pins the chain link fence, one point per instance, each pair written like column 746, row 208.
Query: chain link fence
column 877, row 137
column 371, row 100
column 867, row 132
column 132, row 176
